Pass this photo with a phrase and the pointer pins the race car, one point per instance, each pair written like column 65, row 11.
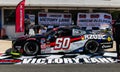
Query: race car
column 68, row 39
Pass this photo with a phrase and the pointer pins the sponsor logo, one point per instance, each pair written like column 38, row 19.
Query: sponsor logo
column 106, row 46
column 78, row 44
column 107, row 43
column 109, row 39
column 94, row 36
column 43, row 46
column 9, row 61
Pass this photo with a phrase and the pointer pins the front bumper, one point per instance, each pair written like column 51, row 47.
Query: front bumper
column 17, row 46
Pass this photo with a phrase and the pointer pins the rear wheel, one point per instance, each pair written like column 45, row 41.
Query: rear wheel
column 31, row 48
column 91, row 47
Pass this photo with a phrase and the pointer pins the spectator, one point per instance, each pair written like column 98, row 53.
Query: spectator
column 39, row 28
column 27, row 25
column 31, row 29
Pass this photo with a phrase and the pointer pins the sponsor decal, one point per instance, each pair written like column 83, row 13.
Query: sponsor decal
column 107, row 43
column 94, row 36
column 78, row 43
column 43, row 46
column 109, row 39
column 106, row 46
column 42, row 40
column 9, row 61
column 48, row 50
column 66, row 60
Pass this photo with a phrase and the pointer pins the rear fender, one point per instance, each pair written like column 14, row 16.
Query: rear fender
column 33, row 40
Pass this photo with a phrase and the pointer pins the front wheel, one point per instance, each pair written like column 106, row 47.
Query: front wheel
column 31, row 48
column 91, row 47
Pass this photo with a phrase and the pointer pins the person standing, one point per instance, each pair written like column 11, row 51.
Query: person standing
column 31, row 29
column 27, row 25
column 39, row 28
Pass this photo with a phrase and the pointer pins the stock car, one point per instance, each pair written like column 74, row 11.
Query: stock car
column 68, row 39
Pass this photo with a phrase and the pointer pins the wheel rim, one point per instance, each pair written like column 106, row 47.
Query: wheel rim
column 92, row 47
column 31, row 48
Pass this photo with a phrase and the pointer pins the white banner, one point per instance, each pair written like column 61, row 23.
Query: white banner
column 32, row 19
column 54, row 18
column 89, row 20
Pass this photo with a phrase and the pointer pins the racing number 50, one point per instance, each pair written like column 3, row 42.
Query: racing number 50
column 62, row 43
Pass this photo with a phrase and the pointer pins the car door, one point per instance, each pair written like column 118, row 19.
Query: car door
column 77, row 40
column 60, row 40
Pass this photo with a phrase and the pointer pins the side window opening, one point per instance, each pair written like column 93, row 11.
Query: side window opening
column 77, row 32
column 65, row 32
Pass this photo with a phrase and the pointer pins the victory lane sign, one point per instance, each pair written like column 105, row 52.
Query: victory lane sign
column 58, row 61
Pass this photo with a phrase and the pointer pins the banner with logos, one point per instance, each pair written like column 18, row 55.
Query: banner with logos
column 32, row 19
column 19, row 27
column 54, row 18
column 89, row 20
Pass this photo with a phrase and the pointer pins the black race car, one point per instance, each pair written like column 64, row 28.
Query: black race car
column 68, row 39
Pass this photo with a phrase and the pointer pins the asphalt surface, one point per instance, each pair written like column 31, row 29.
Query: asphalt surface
column 61, row 68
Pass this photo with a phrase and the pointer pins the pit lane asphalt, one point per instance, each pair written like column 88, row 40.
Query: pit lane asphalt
column 61, row 68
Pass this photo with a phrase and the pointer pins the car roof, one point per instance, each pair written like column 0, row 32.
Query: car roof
column 68, row 27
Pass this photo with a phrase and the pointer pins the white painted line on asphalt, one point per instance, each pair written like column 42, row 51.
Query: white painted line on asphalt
column 2, row 57
column 82, row 56
column 110, row 54
column 54, row 56
column 22, row 57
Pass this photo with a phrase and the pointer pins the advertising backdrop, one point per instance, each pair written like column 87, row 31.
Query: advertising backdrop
column 32, row 19
column 54, row 18
column 89, row 20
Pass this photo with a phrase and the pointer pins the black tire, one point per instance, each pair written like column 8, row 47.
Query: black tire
column 31, row 48
column 91, row 47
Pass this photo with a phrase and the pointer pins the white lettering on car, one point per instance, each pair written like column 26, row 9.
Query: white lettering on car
column 94, row 36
